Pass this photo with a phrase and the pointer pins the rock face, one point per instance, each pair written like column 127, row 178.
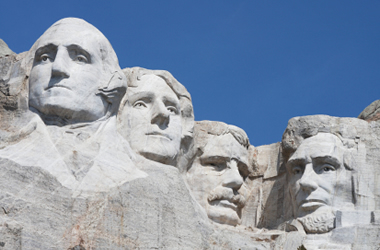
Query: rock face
column 95, row 157
column 372, row 112
column 4, row 49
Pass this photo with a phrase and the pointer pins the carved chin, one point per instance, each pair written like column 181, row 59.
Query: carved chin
column 158, row 149
column 223, row 215
column 318, row 222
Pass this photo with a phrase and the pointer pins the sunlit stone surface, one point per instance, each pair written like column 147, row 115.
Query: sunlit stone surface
column 96, row 157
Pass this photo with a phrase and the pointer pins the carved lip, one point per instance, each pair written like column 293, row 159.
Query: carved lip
column 159, row 134
column 58, row 86
column 225, row 203
column 312, row 204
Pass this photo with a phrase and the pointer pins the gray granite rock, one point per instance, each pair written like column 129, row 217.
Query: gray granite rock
column 372, row 112
column 4, row 49
column 95, row 157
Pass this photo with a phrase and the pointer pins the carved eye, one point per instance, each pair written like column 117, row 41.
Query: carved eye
column 297, row 170
column 172, row 110
column 218, row 166
column 44, row 57
column 215, row 164
column 327, row 168
column 81, row 59
column 139, row 105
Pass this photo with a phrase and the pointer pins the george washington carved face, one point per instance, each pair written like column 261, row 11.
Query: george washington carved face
column 69, row 68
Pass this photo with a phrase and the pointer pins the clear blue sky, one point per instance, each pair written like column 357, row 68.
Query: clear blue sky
column 254, row 64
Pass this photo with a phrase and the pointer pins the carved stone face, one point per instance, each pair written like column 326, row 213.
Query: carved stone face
column 214, row 179
column 153, row 120
column 314, row 171
column 67, row 72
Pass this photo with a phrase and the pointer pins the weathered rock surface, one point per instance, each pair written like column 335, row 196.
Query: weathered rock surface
column 136, row 173
column 371, row 113
column 4, row 49
column 361, row 142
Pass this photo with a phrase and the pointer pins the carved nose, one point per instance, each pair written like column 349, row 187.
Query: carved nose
column 232, row 177
column 60, row 67
column 308, row 181
column 160, row 115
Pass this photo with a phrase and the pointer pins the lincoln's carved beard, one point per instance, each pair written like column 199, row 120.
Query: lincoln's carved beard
column 318, row 222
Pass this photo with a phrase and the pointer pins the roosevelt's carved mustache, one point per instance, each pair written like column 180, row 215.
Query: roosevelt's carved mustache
column 226, row 194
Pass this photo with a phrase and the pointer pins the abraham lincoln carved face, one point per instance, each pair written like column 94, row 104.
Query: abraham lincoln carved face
column 319, row 181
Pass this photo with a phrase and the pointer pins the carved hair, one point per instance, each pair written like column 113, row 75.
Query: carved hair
column 301, row 128
column 203, row 130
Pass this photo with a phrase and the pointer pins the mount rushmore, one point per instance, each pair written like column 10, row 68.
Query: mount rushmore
column 93, row 156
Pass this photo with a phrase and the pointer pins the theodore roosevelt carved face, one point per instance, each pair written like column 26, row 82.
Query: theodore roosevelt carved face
column 73, row 61
column 216, row 174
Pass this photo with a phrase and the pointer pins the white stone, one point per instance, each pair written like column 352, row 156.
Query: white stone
column 353, row 218
column 95, row 157
column 217, row 172
column 156, row 115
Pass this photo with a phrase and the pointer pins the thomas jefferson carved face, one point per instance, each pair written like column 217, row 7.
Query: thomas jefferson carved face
column 314, row 172
column 214, row 178
column 152, row 115
column 68, row 71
